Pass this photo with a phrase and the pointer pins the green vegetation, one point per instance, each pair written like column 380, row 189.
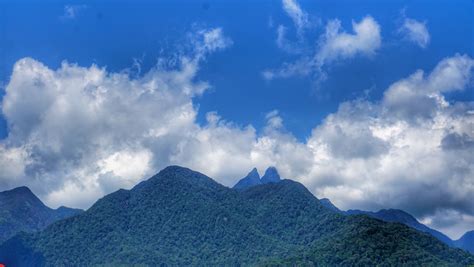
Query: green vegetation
column 363, row 241
column 22, row 211
column 181, row 217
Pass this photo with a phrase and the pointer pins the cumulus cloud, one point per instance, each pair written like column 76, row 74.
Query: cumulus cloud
column 334, row 45
column 419, row 96
column 74, row 128
column 337, row 44
column 415, row 31
column 412, row 150
column 77, row 133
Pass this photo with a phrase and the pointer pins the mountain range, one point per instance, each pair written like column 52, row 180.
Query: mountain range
column 466, row 242
column 22, row 211
column 182, row 217
column 400, row 216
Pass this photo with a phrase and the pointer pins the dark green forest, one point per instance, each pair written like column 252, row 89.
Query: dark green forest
column 181, row 217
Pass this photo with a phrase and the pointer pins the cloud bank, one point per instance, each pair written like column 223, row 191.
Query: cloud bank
column 77, row 133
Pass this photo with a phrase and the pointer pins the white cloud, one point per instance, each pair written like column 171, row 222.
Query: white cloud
column 334, row 45
column 419, row 96
column 299, row 17
column 337, row 44
column 302, row 67
column 301, row 22
column 416, row 32
column 13, row 162
column 209, row 41
column 74, row 127
column 410, row 151
column 127, row 164
column 274, row 121
column 283, row 43
column 77, row 133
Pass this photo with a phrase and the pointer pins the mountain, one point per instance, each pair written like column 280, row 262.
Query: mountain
column 400, row 216
column 466, row 242
column 252, row 179
column 180, row 217
column 21, row 210
column 328, row 204
column 271, row 176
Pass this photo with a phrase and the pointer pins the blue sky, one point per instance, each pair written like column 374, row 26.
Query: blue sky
column 113, row 35
column 368, row 104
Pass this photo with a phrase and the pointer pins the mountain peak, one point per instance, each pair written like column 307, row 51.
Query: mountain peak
column 21, row 195
column 177, row 172
column 271, row 176
column 23, row 211
column 254, row 172
column 252, row 179
column 174, row 168
column 466, row 241
column 177, row 176
column 19, row 190
column 398, row 215
column 156, row 223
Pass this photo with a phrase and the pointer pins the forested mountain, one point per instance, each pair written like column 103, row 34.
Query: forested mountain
column 182, row 217
column 252, row 179
column 400, row 216
column 466, row 242
column 21, row 210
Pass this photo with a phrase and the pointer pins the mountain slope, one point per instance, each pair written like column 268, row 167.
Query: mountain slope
column 181, row 217
column 329, row 205
column 466, row 242
column 400, row 216
column 252, row 179
column 271, row 176
column 365, row 242
column 21, row 210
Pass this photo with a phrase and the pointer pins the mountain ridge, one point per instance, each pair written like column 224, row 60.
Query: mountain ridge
column 183, row 217
column 466, row 241
column 251, row 179
column 21, row 210
column 400, row 216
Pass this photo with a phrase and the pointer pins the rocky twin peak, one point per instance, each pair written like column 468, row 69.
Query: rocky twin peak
column 253, row 178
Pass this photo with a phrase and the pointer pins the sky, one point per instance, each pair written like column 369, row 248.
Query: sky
column 370, row 105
